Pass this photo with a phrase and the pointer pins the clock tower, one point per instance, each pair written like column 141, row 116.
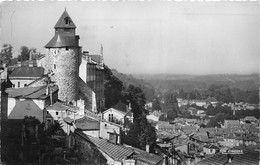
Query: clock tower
column 63, row 57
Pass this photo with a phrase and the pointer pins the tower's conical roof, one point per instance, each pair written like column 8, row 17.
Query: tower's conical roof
column 65, row 21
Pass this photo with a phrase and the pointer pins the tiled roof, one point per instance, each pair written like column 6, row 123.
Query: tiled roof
column 120, row 106
column 59, row 41
column 34, row 72
column 165, row 135
column 61, row 22
column 116, row 152
column 232, row 121
column 250, row 118
column 38, row 82
column 147, row 157
column 60, row 106
column 87, row 123
column 249, row 157
column 30, row 92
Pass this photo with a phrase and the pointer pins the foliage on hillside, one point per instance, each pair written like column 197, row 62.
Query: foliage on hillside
column 222, row 93
column 222, row 113
column 163, row 83
column 141, row 131
column 113, row 88
column 128, row 79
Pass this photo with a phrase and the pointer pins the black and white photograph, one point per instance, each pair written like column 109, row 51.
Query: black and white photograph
column 130, row 82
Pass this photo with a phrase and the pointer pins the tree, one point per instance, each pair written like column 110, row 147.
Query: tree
column 211, row 110
column 182, row 94
column 215, row 121
column 137, row 99
column 113, row 88
column 25, row 53
column 6, row 52
column 221, row 92
column 156, row 104
column 141, row 133
column 171, row 106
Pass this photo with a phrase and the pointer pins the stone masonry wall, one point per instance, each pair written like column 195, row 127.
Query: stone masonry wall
column 65, row 66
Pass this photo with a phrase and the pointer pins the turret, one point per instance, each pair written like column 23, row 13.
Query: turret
column 64, row 57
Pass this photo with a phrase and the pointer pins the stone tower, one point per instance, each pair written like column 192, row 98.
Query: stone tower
column 63, row 57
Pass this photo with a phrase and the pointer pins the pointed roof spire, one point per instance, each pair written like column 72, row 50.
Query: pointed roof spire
column 101, row 53
column 65, row 21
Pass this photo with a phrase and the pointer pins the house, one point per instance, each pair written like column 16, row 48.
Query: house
column 182, row 102
column 250, row 119
column 231, row 123
column 191, row 121
column 200, row 103
column 212, row 100
column 118, row 114
column 107, row 127
column 60, row 110
column 231, row 140
column 21, row 76
column 165, row 126
column 149, row 105
column 210, row 149
column 88, row 126
column 31, row 101
column 154, row 116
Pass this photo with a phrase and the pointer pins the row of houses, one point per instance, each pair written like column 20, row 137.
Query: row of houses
column 196, row 143
column 66, row 86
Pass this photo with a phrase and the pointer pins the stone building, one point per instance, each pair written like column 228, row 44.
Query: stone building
column 63, row 60
column 63, row 57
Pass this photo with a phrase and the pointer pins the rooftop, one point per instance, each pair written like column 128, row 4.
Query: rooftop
column 59, row 41
column 30, row 92
column 249, row 157
column 62, row 21
column 60, row 106
column 87, row 123
column 28, row 72
column 116, row 152
column 120, row 106
column 147, row 157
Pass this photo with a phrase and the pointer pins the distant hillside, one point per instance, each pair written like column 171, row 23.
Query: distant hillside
column 128, row 79
column 167, row 82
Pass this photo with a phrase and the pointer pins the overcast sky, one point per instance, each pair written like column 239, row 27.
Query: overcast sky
column 147, row 37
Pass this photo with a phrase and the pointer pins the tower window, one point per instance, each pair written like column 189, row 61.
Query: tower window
column 18, row 84
column 67, row 20
column 54, row 66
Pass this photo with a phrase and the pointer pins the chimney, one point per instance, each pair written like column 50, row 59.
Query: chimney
column 147, row 148
column 47, row 90
column 19, row 64
column 229, row 157
column 51, row 99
